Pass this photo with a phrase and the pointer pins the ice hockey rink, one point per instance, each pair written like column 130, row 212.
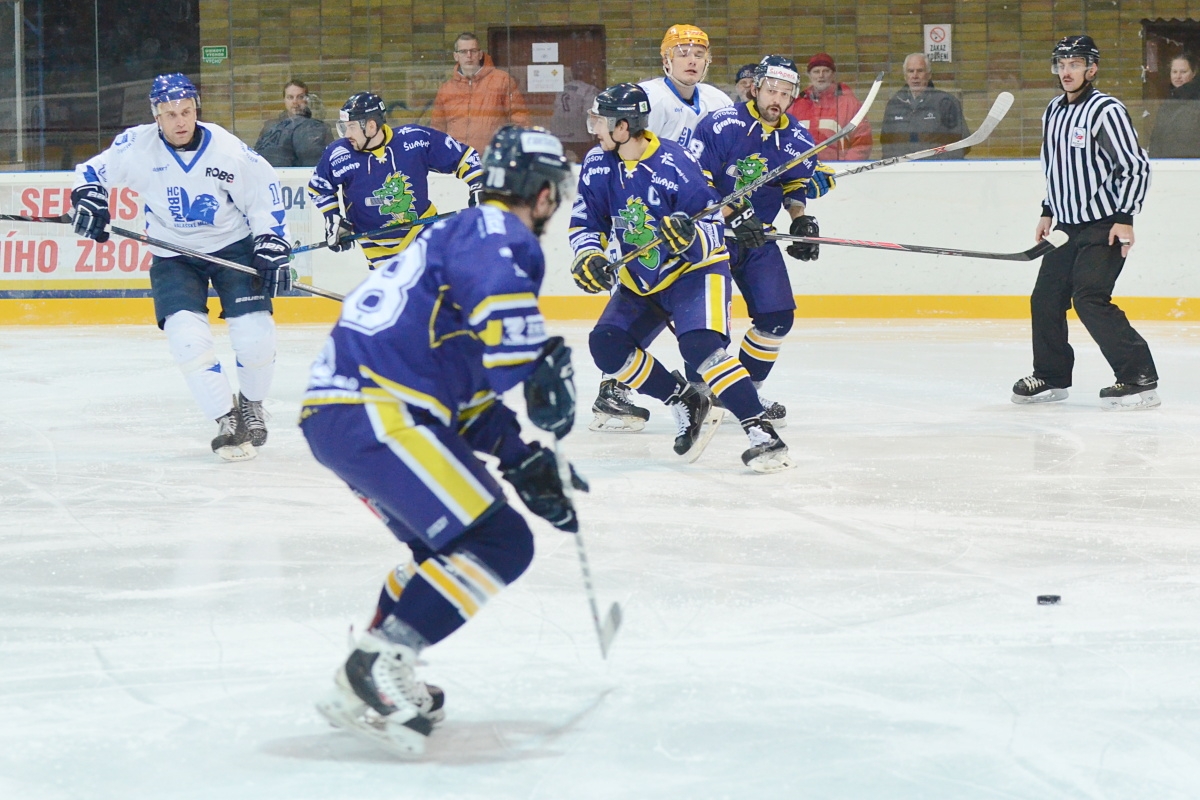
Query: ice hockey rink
column 863, row 626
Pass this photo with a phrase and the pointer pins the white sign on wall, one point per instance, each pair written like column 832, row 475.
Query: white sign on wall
column 545, row 78
column 937, row 43
column 545, row 52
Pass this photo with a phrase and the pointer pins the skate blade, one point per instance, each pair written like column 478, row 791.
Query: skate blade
column 781, row 422
column 1143, row 400
column 1051, row 396
column 707, row 430
column 237, row 452
column 396, row 738
column 771, row 462
column 606, row 423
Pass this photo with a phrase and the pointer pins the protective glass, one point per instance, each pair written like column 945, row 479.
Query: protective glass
column 597, row 123
column 189, row 106
column 343, row 128
column 1054, row 63
column 776, row 85
column 689, row 51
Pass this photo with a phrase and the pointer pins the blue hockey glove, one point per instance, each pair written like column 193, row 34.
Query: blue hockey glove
column 821, row 182
column 678, row 232
column 271, row 256
column 537, row 481
column 591, row 272
column 91, row 211
column 550, row 390
column 805, row 251
column 337, row 232
column 747, row 228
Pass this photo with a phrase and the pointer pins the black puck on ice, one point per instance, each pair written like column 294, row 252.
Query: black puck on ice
column 1048, row 599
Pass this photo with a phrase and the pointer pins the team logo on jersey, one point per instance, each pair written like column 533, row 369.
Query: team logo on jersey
column 748, row 170
column 395, row 197
column 634, row 222
column 202, row 210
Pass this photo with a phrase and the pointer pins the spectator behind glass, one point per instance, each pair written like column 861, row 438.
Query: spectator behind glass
column 825, row 107
column 1177, row 129
column 478, row 98
column 919, row 116
column 294, row 139
column 743, row 84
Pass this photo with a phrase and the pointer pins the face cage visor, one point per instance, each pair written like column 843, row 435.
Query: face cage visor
column 778, row 85
column 1088, row 61
column 174, row 105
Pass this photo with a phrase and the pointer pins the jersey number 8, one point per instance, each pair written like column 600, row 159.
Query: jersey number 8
column 378, row 302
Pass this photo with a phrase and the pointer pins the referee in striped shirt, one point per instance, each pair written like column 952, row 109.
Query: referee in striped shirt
column 1096, row 179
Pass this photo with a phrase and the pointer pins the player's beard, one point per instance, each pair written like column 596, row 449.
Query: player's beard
column 771, row 113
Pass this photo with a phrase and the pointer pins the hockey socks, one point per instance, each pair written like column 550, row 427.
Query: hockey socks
column 731, row 382
column 644, row 374
column 759, row 352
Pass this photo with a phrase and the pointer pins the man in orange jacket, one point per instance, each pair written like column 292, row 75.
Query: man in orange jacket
column 825, row 107
column 478, row 98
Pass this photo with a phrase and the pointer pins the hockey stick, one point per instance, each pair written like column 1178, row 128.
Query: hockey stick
column 15, row 218
column 1055, row 240
column 754, row 186
column 384, row 230
column 999, row 108
column 606, row 631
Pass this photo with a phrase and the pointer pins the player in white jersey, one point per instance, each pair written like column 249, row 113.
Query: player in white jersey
column 203, row 189
column 679, row 99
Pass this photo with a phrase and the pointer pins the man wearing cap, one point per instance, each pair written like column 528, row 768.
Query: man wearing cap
column 919, row 116
column 743, row 83
column 825, row 107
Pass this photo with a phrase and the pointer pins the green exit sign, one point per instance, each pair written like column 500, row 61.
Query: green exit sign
column 214, row 54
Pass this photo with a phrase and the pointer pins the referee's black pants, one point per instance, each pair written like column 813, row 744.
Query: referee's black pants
column 1082, row 273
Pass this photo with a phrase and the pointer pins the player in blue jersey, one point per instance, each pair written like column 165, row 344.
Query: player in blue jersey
column 404, row 394
column 634, row 188
column 736, row 146
column 382, row 177
column 203, row 189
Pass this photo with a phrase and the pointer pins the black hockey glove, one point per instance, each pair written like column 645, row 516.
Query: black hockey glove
column 337, row 233
column 537, row 480
column 747, row 228
column 805, row 251
column 678, row 232
column 91, row 211
column 591, row 272
column 271, row 256
column 550, row 390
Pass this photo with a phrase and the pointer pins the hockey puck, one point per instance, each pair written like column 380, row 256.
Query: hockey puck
column 1048, row 599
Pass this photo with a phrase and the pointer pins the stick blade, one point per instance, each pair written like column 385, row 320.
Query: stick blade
column 608, row 631
column 1003, row 103
column 1058, row 238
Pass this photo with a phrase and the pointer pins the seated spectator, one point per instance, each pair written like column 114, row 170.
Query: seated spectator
column 1177, row 130
column 294, row 139
column 743, row 83
column 478, row 98
column 825, row 107
column 919, row 116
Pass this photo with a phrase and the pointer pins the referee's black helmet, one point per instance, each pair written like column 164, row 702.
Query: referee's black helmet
column 1082, row 46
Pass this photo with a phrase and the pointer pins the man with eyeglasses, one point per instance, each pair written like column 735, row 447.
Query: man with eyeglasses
column 478, row 98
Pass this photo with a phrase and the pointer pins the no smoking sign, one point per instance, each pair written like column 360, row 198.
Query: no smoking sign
column 937, row 43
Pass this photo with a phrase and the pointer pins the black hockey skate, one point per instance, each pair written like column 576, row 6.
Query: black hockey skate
column 256, row 419
column 1130, row 396
column 696, row 419
column 376, row 696
column 1035, row 390
column 232, row 441
column 614, row 412
column 767, row 451
column 774, row 413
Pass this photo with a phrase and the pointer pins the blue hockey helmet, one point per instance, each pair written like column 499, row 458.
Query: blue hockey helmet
column 780, row 68
column 1082, row 46
column 624, row 101
column 520, row 162
column 172, row 88
column 362, row 106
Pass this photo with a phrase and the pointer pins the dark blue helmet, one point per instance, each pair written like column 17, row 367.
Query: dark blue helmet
column 625, row 101
column 1082, row 46
column 361, row 107
column 171, row 88
column 520, row 162
column 778, row 68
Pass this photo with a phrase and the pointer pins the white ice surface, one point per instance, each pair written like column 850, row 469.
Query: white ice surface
column 863, row 626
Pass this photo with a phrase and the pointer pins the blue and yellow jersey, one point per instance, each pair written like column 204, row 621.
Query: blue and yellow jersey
column 390, row 184
column 443, row 325
column 621, row 202
column 736, row 148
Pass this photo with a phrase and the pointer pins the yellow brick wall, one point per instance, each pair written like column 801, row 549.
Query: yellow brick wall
column 401, row 48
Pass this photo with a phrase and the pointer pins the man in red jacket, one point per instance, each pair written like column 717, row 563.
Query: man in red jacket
column 478, row 98
column 825, row 107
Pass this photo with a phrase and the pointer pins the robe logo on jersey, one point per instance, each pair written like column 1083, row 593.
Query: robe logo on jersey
column 395, row 197
column 201, row 211
column 634, row 222
column 747, row 170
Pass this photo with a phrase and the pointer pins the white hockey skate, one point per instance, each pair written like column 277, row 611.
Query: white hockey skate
column 232, row 441
column 696, row 420
column 614, row 412
column 1030, row 390
column 1130, row 396
column 377, row 698
column 767, row 452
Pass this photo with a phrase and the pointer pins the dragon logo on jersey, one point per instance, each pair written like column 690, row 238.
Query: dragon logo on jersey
column 749, row 169
column 202, row 210
column 634, row 220
column 395, row 197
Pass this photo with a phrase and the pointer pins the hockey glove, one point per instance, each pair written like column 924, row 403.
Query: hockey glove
column 678, row 232
column 805, row 251
column 550, row 390
column 591, row 272
column 747, row 228
column 821, row 182
column 537, row 480
column 91, row 211
column 473, row 197
column 337, row 233
column 271, row 256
